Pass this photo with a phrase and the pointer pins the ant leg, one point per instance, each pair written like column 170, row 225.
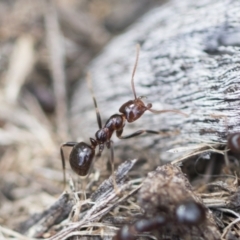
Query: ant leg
column 83, row 186
column 139, row 132
column 112, row 156
column 67, row 144
column 110, row 145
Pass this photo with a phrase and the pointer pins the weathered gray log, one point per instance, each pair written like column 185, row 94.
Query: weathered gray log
column 189, row 60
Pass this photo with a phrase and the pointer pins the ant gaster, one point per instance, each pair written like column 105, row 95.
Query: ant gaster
column 82, row 154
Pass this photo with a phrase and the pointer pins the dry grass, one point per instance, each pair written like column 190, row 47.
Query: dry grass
column 44, row 50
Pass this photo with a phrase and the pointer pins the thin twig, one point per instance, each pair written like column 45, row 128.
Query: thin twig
column 21, row 64
column 226, row 229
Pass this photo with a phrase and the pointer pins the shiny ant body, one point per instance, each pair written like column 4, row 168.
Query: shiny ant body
column 188, row 213
column 82, row 154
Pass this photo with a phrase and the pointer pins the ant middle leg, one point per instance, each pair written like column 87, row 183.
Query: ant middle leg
column 137, row 133
column 110, row 146
column 67, row 144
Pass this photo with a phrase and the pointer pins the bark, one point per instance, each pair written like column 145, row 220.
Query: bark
column 162, row 191
column 189, row 60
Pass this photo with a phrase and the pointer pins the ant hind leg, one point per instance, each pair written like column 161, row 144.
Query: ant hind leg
column 67, row 144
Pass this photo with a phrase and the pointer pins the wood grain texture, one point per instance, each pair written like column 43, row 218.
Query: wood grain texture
column 189, row 60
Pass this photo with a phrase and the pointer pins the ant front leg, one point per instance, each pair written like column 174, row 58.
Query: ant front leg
column 67, row 144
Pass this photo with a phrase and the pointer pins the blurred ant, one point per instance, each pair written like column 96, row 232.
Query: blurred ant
column 232, row 158
column 233, row 142
column 82, row 154
column 188, row 213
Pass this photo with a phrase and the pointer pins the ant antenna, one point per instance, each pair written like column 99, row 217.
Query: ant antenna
column 89, row 82
column 164, row 111
column 134, row 91
column 134, row 70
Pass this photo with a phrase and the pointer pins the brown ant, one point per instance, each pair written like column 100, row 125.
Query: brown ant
column 188, row 213
column 82, row 154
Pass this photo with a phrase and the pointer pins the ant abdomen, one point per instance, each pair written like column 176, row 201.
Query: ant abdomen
column 81, row 158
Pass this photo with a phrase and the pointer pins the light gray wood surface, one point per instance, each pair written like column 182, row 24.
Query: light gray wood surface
column 189, row 60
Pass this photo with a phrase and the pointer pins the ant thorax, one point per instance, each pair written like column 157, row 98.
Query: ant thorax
column 114, row 123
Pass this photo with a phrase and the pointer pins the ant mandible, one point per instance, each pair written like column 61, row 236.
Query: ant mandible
column 82, row 154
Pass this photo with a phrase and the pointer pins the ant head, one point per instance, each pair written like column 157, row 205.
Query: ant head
column 134, row 109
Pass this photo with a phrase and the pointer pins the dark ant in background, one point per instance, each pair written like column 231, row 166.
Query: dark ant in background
column 234, row 142
column 82, row 154
column 188, row 213
column 232, row 152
